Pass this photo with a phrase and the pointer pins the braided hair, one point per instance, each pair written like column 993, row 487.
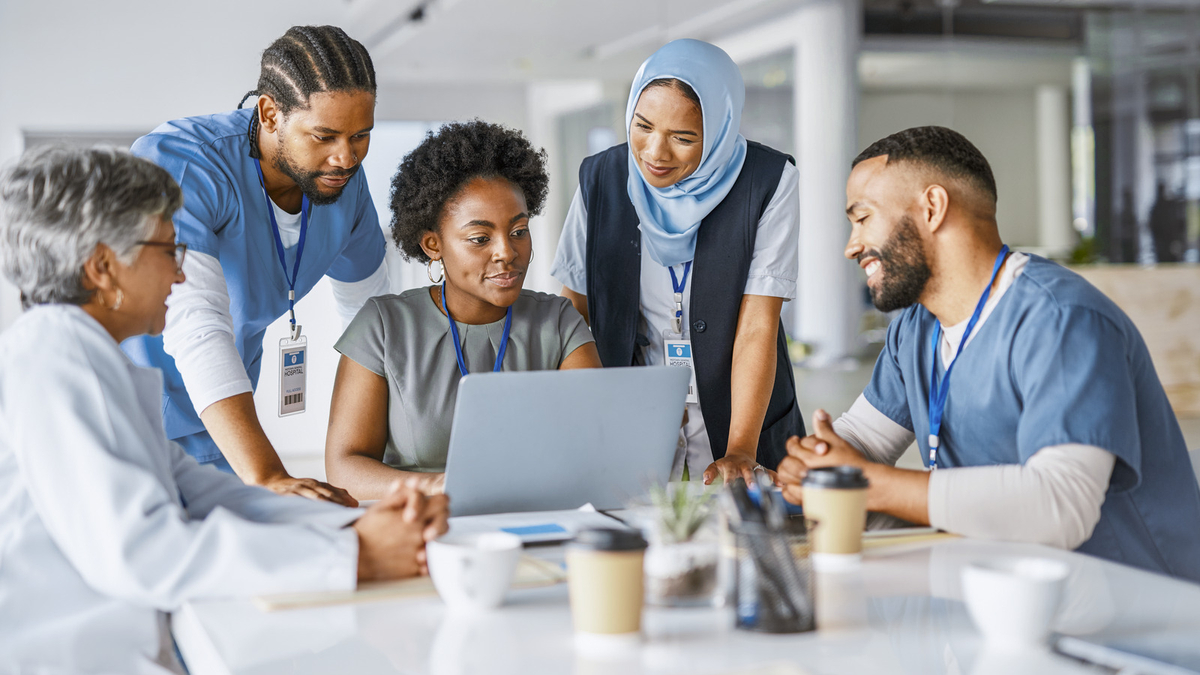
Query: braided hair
column 309, row 60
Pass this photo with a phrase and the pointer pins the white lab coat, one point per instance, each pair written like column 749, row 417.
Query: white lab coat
column 105, row 525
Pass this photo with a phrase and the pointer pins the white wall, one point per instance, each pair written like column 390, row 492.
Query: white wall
column 1003, row 124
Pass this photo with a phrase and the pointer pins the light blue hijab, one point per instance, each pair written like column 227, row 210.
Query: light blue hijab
column 670, row 217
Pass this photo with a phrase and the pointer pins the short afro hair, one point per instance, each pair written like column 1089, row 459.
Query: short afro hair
column 449, row 158
column 943, row 150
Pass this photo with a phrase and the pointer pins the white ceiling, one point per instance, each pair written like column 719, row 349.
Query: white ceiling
column 523, row 40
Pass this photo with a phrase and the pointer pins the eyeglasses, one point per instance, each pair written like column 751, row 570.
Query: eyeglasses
column 180, row 251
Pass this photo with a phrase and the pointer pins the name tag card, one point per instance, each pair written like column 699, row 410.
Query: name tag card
column 678, row 352
column 292, row 378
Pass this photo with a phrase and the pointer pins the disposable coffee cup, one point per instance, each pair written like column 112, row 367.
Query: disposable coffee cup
column 604, row 579
column 835, row 504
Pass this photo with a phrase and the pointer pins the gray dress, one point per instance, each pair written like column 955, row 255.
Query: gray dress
column 407, row 340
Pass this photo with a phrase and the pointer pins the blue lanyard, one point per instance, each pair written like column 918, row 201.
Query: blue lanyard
column 462, row 365
column 678, row 285
column 937, row 395
column 279, row 248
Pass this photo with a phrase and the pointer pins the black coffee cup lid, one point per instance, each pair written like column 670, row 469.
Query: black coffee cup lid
column 609, row 539
column 837, row 477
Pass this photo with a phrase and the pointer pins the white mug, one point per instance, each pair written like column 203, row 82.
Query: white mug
column 1013, row 601
column 473, row 572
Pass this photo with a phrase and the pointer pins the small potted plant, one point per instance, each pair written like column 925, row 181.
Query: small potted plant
column 684, row 552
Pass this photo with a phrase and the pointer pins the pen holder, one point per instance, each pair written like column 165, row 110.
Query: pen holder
column 773, row 590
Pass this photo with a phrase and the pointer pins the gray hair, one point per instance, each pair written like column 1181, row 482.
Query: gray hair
column 57, row 204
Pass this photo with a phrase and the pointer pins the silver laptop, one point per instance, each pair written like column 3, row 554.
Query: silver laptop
column 552, row 440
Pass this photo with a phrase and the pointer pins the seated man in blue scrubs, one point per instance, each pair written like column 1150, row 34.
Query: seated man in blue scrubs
column 1031, row 396
column 273, row 201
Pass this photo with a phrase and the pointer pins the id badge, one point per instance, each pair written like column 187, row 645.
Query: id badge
column 292, row 376
column 678, row 352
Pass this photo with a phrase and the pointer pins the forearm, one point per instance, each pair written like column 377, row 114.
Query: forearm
column 204, row 489
column 1053, row 499
column 366, row 477
column 902, row 493
column 233, row 424
column 753, row 372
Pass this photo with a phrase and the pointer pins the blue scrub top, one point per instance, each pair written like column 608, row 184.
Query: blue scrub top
column 1057, row 362
column 225, row 215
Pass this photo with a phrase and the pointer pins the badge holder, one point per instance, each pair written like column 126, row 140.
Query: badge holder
column 677, row 349
column 292, row 374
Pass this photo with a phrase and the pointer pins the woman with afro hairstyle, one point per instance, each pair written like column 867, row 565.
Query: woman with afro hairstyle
column 461, row 203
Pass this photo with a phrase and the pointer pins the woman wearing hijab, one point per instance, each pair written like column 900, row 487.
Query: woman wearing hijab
column 680, row 249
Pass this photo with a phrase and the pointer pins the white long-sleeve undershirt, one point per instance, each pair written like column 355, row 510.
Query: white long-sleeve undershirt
column 1053, row 499
column 199, row 333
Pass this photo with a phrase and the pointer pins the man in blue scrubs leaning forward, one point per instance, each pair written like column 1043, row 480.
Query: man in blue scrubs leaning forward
column 273, row 201
column 1031, row 396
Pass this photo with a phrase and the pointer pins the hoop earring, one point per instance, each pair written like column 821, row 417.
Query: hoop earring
column 120, row 299
column 441, row 272
column 532, row 252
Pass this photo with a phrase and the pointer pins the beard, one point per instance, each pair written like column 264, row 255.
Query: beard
column 904, row 267
column 307, row 180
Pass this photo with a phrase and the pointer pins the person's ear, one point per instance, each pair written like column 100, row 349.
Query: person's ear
column 935, row 204
column 431, row 243
column 98, row 269
column 269, row 116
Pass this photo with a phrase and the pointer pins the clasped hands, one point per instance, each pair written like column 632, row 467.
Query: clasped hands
column 393, row 531
column 821, row 449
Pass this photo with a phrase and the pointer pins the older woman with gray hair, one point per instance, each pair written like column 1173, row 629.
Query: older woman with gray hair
column 105, row 524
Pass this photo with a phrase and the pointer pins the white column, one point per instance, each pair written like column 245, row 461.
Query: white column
column 1083, row 167
column 829, row 295
column 545, row 103
column 1055, row 233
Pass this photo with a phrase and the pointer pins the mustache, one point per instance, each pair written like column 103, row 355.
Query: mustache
column 340, row 173
column 873, row 253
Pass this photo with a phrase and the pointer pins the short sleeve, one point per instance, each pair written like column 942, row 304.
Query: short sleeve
column 207, row 193
column 1076, row 386
column 886, row 391
column 775, row 264
column 570, row 261
column 364, row 252
column 364, row 339
column 572, row 329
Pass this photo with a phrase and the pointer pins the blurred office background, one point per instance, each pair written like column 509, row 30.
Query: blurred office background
column 1089, row 111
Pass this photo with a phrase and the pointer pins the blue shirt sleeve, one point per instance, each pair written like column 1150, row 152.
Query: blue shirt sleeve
column 365, row 250
column 886, row 391
column 1075, row 383
column 207, row 193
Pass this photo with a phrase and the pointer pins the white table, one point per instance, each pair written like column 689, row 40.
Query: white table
column 901, row 613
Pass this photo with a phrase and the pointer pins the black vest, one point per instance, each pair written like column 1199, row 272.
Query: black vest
column 724, row 248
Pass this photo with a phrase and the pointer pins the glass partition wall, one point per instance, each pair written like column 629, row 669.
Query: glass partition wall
column 1145, row 67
